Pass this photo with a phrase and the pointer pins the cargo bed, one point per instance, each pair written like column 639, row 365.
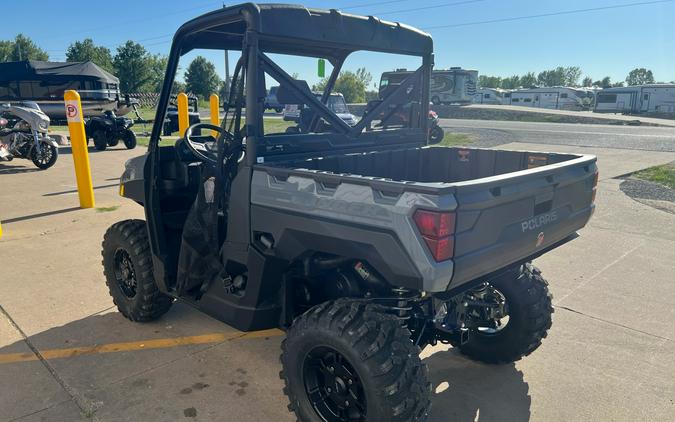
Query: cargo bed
column 509, row 205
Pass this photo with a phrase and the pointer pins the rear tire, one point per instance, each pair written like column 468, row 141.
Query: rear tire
column 127, row 266
column 129, row 139
column 529, row 311
column 350, row 357
column 100, row 140
column 436, row 134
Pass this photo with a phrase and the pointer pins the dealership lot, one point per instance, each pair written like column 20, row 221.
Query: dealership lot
column 66, row 354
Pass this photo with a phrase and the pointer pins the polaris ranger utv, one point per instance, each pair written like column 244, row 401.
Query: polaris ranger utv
column 362, row 242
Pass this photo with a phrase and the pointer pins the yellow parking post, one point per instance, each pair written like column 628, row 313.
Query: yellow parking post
column 214, row 102
column 0, row 230
column 78, row 143
column 183, row 119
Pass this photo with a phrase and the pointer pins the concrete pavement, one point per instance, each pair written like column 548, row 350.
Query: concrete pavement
column 609, row 356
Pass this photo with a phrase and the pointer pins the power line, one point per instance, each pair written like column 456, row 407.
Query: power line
column 543, row 15
column 359, row 6
column 456, row 3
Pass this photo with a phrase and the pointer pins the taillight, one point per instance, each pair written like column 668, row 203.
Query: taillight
column 437, row 229
column 595, row 186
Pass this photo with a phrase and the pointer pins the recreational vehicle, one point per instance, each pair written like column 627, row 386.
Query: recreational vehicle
column 45, row 83
column 560, row 98
column 491, row 96
column 653, row 98
column 447, row 86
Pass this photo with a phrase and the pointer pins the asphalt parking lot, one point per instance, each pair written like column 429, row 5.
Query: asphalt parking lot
column 67, row 355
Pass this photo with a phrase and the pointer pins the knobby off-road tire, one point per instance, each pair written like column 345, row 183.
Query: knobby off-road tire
column 388, row 373
column 100, row 140
column 129, row 139
column 529, row 309
column 127, row 266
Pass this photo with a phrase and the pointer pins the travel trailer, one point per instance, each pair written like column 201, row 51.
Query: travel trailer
column 494, row 96
column 560, row 98
column 45, row 83
column 653, row 98
column 447, row 86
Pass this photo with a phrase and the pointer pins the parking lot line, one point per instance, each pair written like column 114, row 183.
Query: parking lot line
column 135, row 345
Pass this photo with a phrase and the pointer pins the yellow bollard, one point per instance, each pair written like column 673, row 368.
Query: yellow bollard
column 0, row 230
column 183, row 118
column 214, row 102
column 78, row 143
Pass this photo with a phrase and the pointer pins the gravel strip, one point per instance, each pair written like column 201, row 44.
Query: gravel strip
column 642, row 189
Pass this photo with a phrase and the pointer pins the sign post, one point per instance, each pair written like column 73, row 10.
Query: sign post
column 183, row 118
column 214, row 103
column 78, row 143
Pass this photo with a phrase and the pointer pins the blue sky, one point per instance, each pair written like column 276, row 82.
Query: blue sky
column 605, row 42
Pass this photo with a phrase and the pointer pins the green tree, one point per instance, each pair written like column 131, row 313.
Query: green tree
column 201, row 77
column 617, row 84
column 511, row 82
column 350, row 84
column 485, row 81
column 21, row 48
column 528, row 80
column 132, row 67
column 640, row 76
column 605, row 82
column 86, row 50
column 560, row 76
column 587, row 82
column 157, row 69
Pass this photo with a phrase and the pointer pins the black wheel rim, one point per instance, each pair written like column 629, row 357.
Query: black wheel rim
column 333, row 387
column 125, row 273
column 45, row 155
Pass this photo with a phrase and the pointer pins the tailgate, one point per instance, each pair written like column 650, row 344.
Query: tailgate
column 507, row 218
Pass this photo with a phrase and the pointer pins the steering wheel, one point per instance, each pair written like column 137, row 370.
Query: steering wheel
column 200, row 149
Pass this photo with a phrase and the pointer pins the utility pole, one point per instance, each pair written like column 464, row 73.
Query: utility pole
column 227, row 71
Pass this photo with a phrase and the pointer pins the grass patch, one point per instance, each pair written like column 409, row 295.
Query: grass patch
column 107, row 209
column 455, row 139
column 664, row 175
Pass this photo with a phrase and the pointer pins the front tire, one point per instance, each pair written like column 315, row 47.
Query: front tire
column 127, row 266
column 436, row 134
column 350, row 360
column 100, row 140
column 129, row 139
column 529, row 318
column 46, row 157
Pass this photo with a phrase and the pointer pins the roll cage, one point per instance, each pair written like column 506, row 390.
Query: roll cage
column 257, row 30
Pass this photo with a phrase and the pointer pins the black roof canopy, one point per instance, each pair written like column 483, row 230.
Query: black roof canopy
column 34, row 70
column 292, row 29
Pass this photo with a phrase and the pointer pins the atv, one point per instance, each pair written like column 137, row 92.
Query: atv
column 362, row 242
column 108, row 130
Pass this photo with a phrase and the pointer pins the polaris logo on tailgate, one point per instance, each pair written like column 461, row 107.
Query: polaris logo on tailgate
column 539, row 221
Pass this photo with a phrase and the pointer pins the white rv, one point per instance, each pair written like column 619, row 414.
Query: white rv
column 491, row 96
column 652, row 98
column 446, row 86
column 560, row 98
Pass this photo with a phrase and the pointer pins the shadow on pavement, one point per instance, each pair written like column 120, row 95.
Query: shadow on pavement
column 40, row 214
column 110, row 185
column 122, row 383
column 16, row 169
column 469, row 391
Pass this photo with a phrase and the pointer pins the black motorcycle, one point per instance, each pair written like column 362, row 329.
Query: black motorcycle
column 23, row 134
column 108, row 130
column 436, row 133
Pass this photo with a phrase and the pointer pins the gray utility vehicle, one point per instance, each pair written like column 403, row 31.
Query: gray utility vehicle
column 362, row 242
